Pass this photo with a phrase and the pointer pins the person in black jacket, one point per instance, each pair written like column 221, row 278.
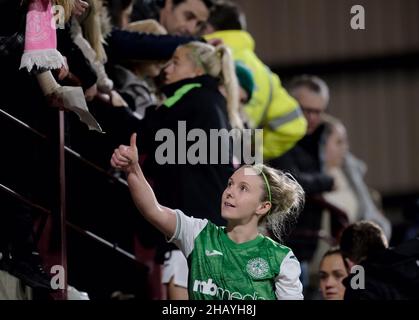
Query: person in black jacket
column 194, row 101
column 391, row 274
column 376, row 271
column 306, row 165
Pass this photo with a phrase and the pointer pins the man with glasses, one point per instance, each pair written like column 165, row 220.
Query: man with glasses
column 304, row 161
column 312, row 93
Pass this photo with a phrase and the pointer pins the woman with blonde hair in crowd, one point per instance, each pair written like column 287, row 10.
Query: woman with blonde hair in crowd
column 89, row 32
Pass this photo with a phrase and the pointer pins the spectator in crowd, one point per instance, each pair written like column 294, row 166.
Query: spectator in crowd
column 135, row 85
column 56, row 52
column 77, row 64
column 124, row 45
column 271, row 107
column 386, row 273
column 136, row 79
column 360, row 240
column 350, row 194
column 331, row 273
column 305, row 162
column 89, row 32
column 121, row 12
column 178, row 17
column 147, row 40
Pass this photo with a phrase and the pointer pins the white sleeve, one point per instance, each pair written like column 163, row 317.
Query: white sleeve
column 187, row 229
column 288, row 285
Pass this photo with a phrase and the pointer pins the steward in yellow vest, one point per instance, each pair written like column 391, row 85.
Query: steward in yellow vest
column 271, row 107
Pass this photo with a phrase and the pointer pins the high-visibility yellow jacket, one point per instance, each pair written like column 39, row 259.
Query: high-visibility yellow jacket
column 271, row 107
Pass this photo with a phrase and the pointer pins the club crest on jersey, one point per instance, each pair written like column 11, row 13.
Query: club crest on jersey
column 258, row 268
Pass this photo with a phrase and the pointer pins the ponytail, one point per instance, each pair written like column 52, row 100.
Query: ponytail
column 231, row 85
column 68, row 6
column 218, row 62
column 92, row 30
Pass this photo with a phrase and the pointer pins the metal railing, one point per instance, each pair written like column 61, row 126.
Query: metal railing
column 57, row 213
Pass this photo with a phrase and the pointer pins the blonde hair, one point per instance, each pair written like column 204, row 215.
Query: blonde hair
column 92, row 28
column 218, row 62
column 286, row 197
column 68, row 6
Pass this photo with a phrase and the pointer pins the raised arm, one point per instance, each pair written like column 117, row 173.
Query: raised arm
column 126, row 159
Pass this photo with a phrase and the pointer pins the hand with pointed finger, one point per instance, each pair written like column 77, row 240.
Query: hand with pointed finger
column 125, row 158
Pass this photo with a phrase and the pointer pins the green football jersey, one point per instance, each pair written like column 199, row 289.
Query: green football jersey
column 220, row 269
